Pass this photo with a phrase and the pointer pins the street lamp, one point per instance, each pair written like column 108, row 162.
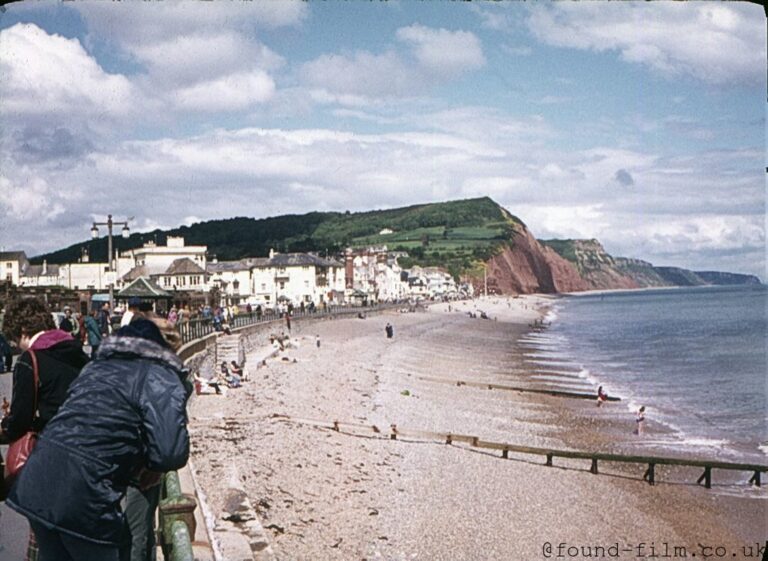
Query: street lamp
column 126, row 232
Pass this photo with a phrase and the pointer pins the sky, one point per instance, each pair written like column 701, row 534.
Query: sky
column 641, row 124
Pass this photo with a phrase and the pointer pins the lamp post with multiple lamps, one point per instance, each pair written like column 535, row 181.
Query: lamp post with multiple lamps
column 95, row 234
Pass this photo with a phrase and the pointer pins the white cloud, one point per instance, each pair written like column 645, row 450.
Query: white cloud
column 363, row 74
column 229, row 93
column 442, row 51
column 184, row 59
column 363, row 77
column 493, row 16
column 714, row 42
column 574, row 221
column 28, row 197
column 46, row 74
column 196, row 54
column 134, row 22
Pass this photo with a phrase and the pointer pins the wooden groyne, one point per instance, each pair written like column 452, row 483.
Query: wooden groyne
column 394, row 433
column 555, row 393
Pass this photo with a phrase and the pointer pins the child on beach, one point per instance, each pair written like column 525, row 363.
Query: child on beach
column 317, row 341
column 640, row 421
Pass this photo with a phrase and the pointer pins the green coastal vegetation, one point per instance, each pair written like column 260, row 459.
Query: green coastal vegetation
column 457, row 235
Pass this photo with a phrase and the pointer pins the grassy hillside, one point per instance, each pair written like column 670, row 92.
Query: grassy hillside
column 456, row 234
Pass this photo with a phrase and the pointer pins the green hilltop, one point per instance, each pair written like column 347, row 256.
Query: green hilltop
column 457, row 235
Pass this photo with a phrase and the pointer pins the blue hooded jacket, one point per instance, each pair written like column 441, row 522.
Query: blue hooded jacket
column 126, row 411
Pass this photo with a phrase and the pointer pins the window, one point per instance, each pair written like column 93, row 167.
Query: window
column 263, row 286
column 9, row 265
column 282, row 285
column 306, row 284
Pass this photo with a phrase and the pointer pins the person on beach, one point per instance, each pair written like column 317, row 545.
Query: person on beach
column 231, row 379
column 601, row 396
column 317, row 341
column 640, row 421
column 389, row 330
column 123, row 423
column 237, row 370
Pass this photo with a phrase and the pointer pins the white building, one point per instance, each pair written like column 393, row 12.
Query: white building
column 296, row 278
column 431, row 282
column 233, row 279
column 158, row 258
column 13, row 264
column 40, row 275
column 375, row 272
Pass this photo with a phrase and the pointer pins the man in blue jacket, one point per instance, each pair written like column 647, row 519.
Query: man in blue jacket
column 125, row 415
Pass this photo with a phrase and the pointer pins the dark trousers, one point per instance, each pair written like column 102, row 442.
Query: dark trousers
column 139, row 510
column 58, row 546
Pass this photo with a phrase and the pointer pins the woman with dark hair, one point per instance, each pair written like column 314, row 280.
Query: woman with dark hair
column 29, row 325
column 125, row 416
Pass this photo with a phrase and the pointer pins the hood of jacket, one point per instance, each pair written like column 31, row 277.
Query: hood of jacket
column 61, row 346
column 125, row 347
column 48, row 339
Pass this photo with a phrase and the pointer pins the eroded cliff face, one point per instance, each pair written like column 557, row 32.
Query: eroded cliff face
column 525, row 266
column 598, row 268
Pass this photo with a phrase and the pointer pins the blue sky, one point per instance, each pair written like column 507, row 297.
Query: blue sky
column 640, row 124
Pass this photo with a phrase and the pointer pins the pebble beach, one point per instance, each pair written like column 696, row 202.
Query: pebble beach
column 358, row 495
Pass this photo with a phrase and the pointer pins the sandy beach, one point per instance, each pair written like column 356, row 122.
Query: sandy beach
column 327, row 495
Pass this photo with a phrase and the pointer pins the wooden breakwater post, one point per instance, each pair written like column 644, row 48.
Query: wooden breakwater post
column 491, row 386
column 594, row 457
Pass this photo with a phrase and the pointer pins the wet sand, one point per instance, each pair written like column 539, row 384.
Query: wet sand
column 325, row 495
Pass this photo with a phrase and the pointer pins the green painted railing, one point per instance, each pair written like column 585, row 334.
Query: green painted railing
column 177, row 520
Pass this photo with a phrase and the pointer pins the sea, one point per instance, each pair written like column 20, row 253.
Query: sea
column 694, row 357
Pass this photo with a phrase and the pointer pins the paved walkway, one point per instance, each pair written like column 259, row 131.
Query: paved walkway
column 13, row 527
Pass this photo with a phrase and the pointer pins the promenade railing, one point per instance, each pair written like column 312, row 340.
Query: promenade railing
column 197, row 328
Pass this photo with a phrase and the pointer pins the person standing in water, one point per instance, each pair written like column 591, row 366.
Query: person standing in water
column 601, row 396
column 640, row 421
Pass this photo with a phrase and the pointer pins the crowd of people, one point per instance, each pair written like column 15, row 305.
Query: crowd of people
column 105, row 427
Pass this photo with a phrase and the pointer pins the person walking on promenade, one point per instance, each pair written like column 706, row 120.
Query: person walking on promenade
column 49, row 355
column 67, row 324
column 288, row 321
column 133, row 308
column 6, row 354
column 104, row 325
column 93, row 331
column 124, row 419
